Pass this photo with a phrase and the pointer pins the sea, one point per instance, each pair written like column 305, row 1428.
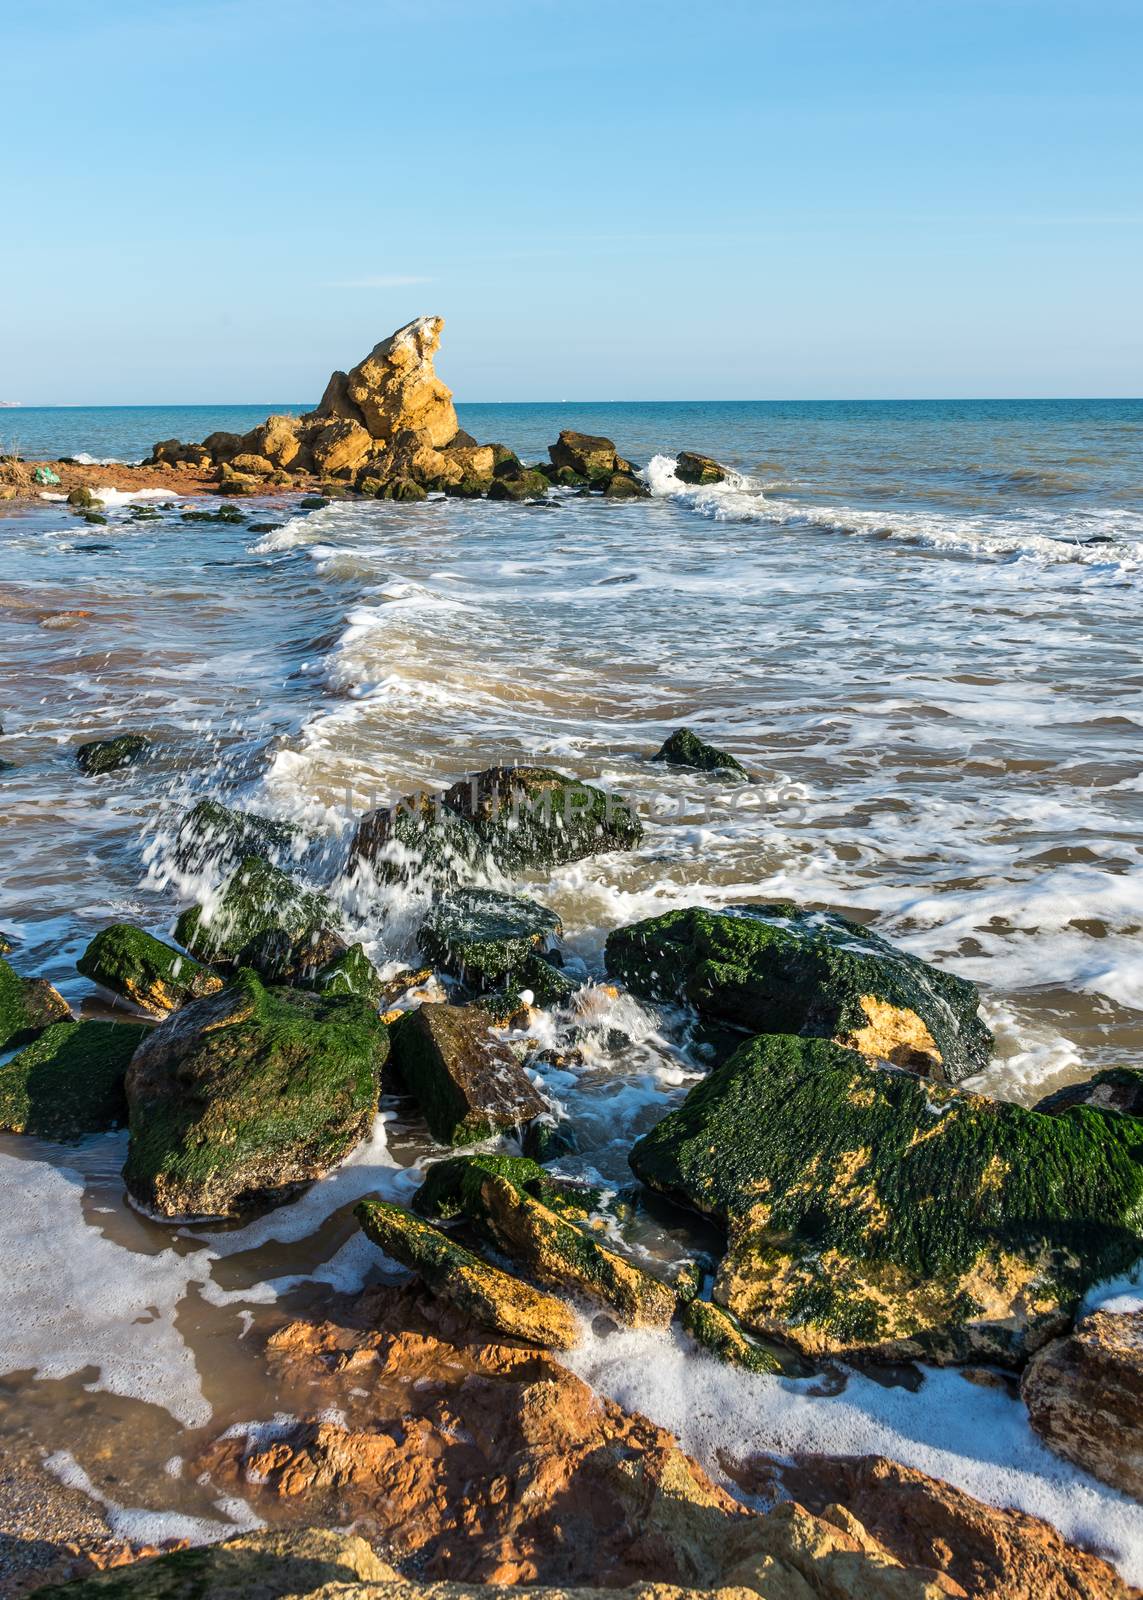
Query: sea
column 917, row 624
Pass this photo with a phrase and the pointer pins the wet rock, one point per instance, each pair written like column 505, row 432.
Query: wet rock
column 693, row 468
column 404, row 489
column 684, row 748
column 524, row 484
column 27, row 1007
column 717, row 1331
column 272, row 1564
column 537, row 817
column 783, row 969
column 244, row 1095
column 625, row 486
column 5, row 945
column 83, row 498
column 546, row 1140
column 108, row 755
column 230, row 514
column 922, row 1522
column 871, row 1212
column 1119, row 1089
column 351, row 972
column 468, row 1083
column 492, row 1298
column 264, row 919
column 550, row 1248
column 591, row 455
column 417, row 840
column 69, row 1081
column 313, row 502
column 487, row 938
column 142, row 969
column 1084, row 1395
column 213, row 835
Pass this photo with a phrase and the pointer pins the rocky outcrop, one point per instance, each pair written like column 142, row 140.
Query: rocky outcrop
column 27, row 1006
column 395, row 387
column 684, row 748
column 784, row 969
column 588, row 454
column 468, row 1083
column 69, row 1081
column 143, row 970
column 871, row 1212
column 1084, row 1395
column 690, row 467
column 244, row 1095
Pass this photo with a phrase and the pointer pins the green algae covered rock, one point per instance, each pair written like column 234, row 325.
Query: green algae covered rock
column 417, row 840
column 625, row 486
column 69, row 1081
column 217, row 835
column 782, row 969
column 684, row 748
column 525, row 483
column 264, row 919
column 27, row 1006
column 691, row 467
column 485, row 937
column 351, row 972
column 871, row 1212
column 495, row 1194
column 467, row 1082
column 531, row 817
column 492, row 1298
column 717, row 1331
column 108, row 755
column 142, row 969
column 242, row 1096
column 589, row 454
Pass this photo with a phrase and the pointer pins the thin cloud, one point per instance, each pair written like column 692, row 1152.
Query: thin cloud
column 385, row 280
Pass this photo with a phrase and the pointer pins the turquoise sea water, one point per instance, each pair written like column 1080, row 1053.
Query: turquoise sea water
column 918, row 625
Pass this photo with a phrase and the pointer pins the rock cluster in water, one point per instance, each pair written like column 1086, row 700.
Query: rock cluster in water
column 387, row 428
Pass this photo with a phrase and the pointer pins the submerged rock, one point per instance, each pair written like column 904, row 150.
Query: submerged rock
column 211, row 834
column 782, row 969
column 27, row 1006
column 266, row 920
column 536, row 817
column 108, row 755
column 492, row 1298
column 487, row 938
column 690, row 467
column 242, row 1096
column 468, row 1083
column 1119, row 1089
column 69, row 1081
column 1084, row 1395
column 547, row 1246
column 351, row 972
column 871, row 1212
column 417, row 840
column 684, row 748
column 625, row 486
column 142, row 969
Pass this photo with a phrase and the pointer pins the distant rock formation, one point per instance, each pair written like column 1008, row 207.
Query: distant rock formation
column 388, row 428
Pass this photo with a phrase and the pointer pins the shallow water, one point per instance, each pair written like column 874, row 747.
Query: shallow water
column 918, row 626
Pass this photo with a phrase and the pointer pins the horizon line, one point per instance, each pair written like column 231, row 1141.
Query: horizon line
column 786, row 400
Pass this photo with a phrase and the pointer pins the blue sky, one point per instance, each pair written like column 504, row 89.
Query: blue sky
column 221, row 200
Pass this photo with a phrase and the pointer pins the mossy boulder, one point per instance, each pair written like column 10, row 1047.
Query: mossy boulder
column 625, row 486
column 492, row 1298
column 783, row 969
column 404, row 489
column 870, row 1212
column 589, row 454
column 537, row 817
column 690, row 467
column 450, row 1185
column 467, row 1082
column 351, row 972
column 84, row 499
column 214, row 835
column 142, row 969
column 547, row 1139
column 109, row 755
column 242, row 1096
column 684, row 748
column 69, row 1081
column 1118, row 1089
column 525, row 483
column 27, row 1006
column 486, row 938
column 719, row 1333
column 264, row 919
column 418, row 840
column 553, row 1250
